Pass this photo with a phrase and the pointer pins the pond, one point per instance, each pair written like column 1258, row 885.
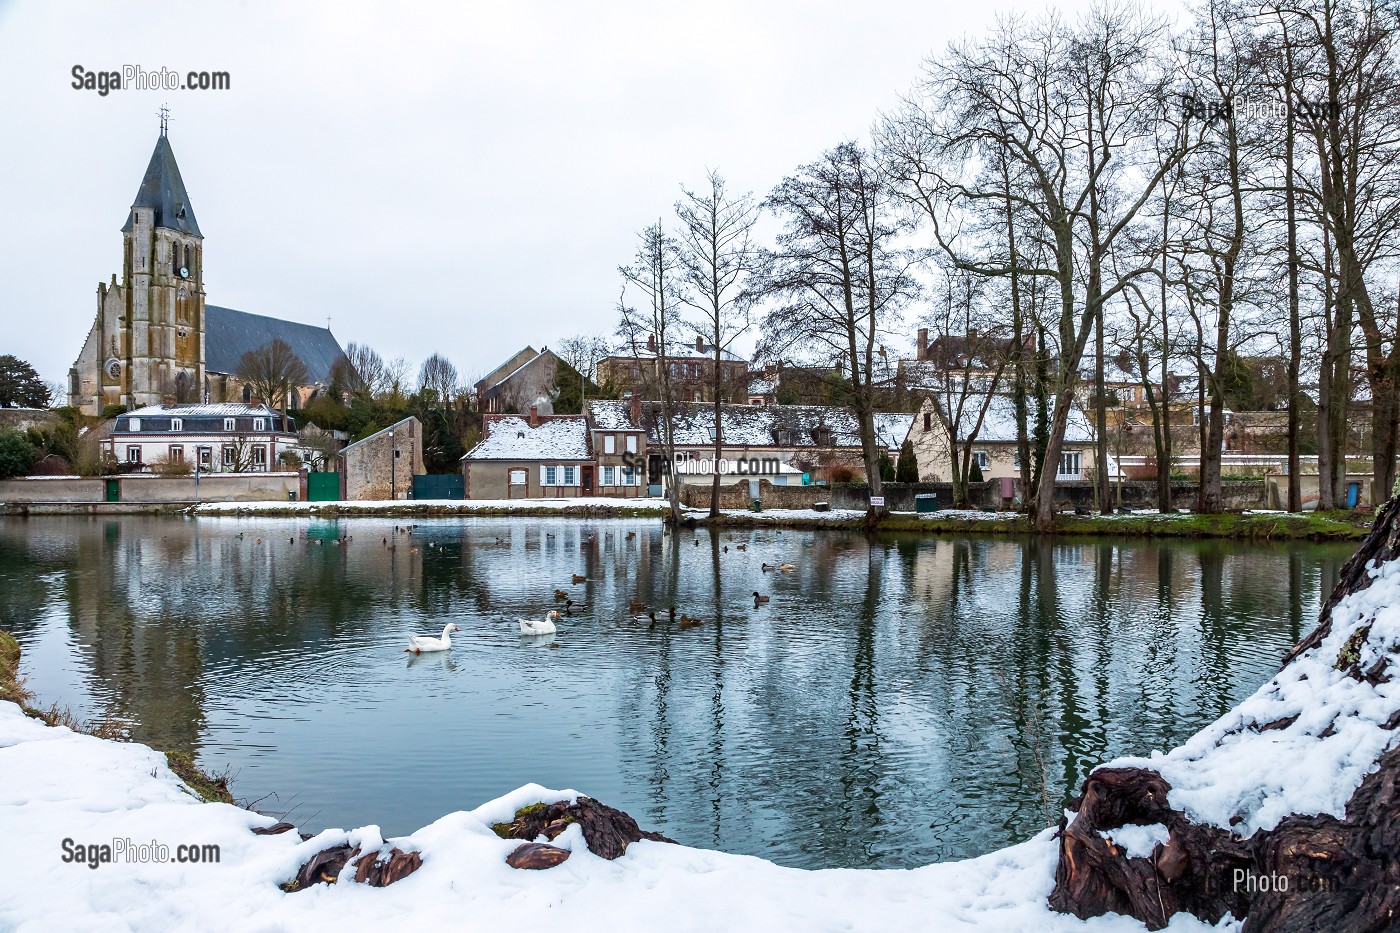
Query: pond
column 899, row 700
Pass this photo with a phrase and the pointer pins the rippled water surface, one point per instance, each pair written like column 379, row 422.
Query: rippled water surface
column 900, row 700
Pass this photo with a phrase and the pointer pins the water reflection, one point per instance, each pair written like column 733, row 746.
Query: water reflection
column 899, row 700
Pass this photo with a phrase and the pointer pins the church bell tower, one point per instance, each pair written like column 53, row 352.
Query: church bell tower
column 148, row 339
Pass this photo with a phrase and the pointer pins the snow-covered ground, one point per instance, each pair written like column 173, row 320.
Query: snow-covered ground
column 57, row 785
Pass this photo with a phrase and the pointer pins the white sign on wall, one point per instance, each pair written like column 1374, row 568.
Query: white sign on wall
column 877, row 502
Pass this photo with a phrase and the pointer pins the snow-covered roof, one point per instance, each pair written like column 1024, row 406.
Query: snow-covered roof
column 754, row 425
column 677, row 350
column 510, row 437
column 999, row 424
column 216, row 410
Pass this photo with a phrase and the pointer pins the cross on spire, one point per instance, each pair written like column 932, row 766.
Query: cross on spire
column 164, row 119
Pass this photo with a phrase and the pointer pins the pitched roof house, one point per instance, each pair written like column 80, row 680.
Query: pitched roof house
column 537, row 456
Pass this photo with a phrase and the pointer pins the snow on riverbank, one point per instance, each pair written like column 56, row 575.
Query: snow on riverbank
column 56, row 785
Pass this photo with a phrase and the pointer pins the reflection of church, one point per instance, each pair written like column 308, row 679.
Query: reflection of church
column 154, row 336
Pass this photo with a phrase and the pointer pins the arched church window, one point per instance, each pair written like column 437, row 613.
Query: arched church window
column 187, row 264
column 175, row 259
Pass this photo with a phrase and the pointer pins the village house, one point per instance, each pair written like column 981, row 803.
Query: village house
column 636, row 369
column 230, row 437
column 778, row 443
column 529, row 378
column 994, row 448
column 532, row 457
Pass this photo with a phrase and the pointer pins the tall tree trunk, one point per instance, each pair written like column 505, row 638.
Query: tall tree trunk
column 1295, row 322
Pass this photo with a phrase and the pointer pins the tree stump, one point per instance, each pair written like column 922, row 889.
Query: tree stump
column 537, row 856
column 378, row 870
column 608, row 831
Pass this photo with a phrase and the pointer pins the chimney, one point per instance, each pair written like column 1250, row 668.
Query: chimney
column 651, row 343
column 636, row 409
column 921, row 348
column 699, row 344
column 534, row 416
column 256, row 401
column 167, row 401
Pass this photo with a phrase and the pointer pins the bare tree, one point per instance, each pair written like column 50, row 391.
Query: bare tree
column 1347, row 100
column 654, row 276
column 274, row 372
column 1057, row 122
column 582, row 353
column 438, row 375
column 839, row 276
column 716, row 258
column 362, row 371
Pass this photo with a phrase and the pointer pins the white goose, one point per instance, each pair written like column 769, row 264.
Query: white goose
column 546, row 627
column 420, row 643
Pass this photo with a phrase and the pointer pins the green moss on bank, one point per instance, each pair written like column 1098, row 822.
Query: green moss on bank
column 210, row 788
column 1330, row 526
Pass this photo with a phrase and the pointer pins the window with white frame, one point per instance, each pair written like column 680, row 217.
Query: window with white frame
column 259, row 424
column 177, row 424
column 177, row 454
column 206, row 457
column 550, row 475
column 229, row 424
column 982, row 458
column 631, row 443
column 230, row 457
column 609, row 444
column 570, row 476
column 1071, row 464
column 629, row 476
column 517, row 477
column 259, row 457
column 609, row 476
column 133, row 454
column 133, row 424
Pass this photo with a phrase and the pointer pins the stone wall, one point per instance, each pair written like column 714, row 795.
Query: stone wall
column 213, row 487
column 367, row 467
column 22, row 419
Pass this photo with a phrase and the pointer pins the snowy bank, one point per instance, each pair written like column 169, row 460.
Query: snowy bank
column 56, row 784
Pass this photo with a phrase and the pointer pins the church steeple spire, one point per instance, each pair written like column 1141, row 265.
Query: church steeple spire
column 163, row 192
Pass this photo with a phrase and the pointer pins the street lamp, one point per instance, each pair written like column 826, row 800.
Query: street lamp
column 393, row 464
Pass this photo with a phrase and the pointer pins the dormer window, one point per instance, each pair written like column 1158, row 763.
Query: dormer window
column 177, row 424
column 229, row 424
column 133, row 424
column 259, row 424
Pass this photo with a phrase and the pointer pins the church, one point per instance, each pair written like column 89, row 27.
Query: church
column 155, row 337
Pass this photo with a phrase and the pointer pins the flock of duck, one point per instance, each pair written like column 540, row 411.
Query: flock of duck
column 417, row 644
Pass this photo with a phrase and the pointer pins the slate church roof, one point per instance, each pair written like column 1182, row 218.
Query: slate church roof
column 229, row 334
column 163, row 191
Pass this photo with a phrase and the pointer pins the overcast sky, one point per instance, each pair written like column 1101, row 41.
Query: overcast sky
column 462, row 178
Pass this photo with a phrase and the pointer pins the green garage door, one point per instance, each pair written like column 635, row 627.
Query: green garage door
column 322, row 487
column 440, row 486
